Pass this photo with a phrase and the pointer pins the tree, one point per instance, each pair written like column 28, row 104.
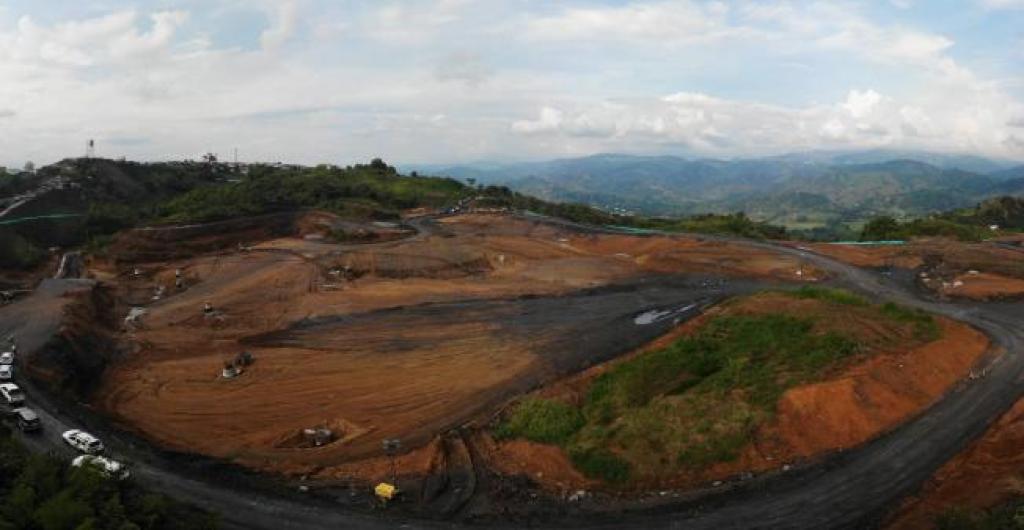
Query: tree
column 881, row 228
column 30, row 167
column 379, row 165
column 63, row 512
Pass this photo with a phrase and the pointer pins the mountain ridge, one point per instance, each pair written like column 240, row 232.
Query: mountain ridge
column 830, row 185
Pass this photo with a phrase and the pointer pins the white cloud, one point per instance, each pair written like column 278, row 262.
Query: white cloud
column 465, row 67
column 864, row 118
column 413, row 22
column 550, row 119
column 283, row 22
column 446, row 80
column 1003, row 4
column 110, row 38
column 860, row 104
column 652, row 22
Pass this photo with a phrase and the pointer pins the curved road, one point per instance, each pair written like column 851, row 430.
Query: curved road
column 851, row 490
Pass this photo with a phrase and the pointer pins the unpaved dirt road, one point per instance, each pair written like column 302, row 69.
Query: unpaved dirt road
column 850, row 490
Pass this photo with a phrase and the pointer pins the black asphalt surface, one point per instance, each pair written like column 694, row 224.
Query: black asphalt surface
column 853, row 489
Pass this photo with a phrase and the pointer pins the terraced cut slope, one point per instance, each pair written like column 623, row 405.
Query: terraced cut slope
column 757, row 383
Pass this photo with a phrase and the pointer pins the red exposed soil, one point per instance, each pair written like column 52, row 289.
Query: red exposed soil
column 870, row 256
column 984, row 286
column 988, row 473
column 870, row 397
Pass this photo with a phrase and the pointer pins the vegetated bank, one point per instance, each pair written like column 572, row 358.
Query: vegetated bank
column 39, row 491
column 992, row 217
column 754, row 384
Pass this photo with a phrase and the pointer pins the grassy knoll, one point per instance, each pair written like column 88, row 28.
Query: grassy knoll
column 699, row 400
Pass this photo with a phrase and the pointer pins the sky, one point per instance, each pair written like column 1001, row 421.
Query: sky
column 450, row 81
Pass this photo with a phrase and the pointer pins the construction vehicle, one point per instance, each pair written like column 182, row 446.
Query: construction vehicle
column 243, row 359
column 318, row 436
column 230, row 371
column 385, row 492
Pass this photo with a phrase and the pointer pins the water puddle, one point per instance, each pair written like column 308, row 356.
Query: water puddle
column 654, row 315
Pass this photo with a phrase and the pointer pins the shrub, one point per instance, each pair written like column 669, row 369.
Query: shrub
column 925, row 326
column 825, row 294
column 542, row 420
column 600, row 464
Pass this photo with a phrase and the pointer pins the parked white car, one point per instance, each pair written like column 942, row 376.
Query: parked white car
column 7, row 357
column 83, row 441
column 6, row 372
column 11, row 394
column 107, row 467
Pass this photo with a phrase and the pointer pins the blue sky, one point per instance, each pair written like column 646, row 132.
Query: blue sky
column 444, row 81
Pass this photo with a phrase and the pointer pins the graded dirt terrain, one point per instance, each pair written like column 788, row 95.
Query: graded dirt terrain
column 398, row 339
column 946, row 258
column 983, row 286
column 870, row 255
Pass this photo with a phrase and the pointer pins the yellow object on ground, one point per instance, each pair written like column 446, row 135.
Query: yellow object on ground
column 385, row 491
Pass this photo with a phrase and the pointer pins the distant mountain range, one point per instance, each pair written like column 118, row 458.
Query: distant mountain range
column 811, row 189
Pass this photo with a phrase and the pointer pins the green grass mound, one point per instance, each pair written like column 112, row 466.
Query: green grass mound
column 699, row 401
